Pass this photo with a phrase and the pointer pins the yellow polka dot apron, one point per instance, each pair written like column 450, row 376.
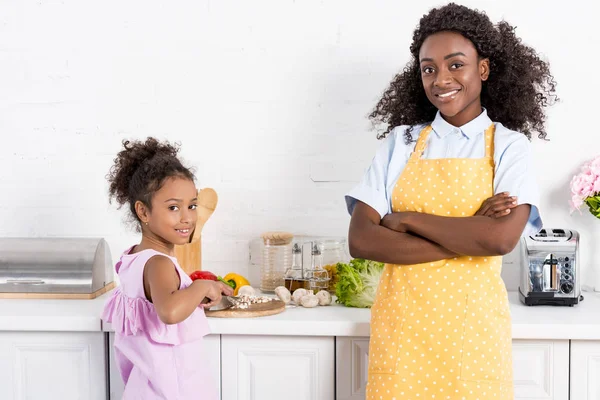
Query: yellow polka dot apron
column 442, row 330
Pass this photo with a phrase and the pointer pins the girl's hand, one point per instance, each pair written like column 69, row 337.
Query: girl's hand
column 214, row 292
column 497, row 206
column 225, row 289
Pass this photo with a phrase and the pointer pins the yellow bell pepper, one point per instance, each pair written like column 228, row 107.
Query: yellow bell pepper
column 236, row 281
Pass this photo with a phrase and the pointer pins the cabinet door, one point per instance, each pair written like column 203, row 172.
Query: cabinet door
column 52, row 366
column 585, row 370
column 212, row 347
column 115, row 382
column 213, row 359
column 277, row 367
column 541, row 369
column 352, row 360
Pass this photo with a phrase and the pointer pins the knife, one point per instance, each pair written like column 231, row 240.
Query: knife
column 224, row 304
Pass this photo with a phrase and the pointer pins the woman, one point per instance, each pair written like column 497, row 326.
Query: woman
column 448, row 193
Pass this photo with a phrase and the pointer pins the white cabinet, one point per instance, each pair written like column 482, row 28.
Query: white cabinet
column 213, row 357
column 352, row 359
column 52, row 366
column 212, row 346
column 541, row 369
column 277, row 367
column 115, row 383
column 585, row 370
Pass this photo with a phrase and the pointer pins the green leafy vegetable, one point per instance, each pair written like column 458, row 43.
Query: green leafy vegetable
column 358, row 281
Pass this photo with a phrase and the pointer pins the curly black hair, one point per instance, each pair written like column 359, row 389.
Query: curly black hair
column 518, row 89
column 140, row 169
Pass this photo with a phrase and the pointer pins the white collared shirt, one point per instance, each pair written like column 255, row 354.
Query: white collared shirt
column 512, row 157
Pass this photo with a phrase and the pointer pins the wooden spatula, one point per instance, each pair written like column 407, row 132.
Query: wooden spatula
column 189, row 255
column 207, row 203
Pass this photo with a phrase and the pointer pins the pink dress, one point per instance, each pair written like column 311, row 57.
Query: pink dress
column 157, row 361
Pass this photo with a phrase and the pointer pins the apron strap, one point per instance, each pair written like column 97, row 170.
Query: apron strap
column 489, row 141
column 421, row 143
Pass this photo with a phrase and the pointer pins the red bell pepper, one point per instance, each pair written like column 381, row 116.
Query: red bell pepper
column 209, row 276
column 203, row 275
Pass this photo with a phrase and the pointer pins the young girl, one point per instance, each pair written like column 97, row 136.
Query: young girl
column 448, row 193
column 157, row 312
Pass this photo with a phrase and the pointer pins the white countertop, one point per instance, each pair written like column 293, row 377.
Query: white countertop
column 581, row 322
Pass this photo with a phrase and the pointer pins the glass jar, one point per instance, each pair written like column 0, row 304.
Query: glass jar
column 333, row 251
column 276, row 259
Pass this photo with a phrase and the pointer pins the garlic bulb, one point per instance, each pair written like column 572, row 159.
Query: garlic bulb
column 283, row 293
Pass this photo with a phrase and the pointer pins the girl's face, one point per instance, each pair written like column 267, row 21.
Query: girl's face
column 452, row 72
column 173, row 216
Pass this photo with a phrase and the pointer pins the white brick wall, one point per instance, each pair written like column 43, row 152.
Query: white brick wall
column 268, row 99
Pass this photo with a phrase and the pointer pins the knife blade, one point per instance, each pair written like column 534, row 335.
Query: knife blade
column 224, row 304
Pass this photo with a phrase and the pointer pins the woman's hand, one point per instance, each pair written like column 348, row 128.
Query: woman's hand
column 394, row 221
column 497, row 206
column 386, row 240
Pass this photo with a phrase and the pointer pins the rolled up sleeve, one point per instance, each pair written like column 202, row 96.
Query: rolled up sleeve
column 372, row 189
column 515, row 175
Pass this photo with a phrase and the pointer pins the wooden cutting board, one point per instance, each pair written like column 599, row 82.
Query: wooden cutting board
column 254, row 310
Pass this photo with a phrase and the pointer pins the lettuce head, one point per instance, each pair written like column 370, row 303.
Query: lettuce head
column 358, row 281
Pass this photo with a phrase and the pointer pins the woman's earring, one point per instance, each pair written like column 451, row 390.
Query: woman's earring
column 146, row 223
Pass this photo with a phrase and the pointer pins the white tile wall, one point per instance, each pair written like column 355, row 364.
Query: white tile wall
column 268, row 99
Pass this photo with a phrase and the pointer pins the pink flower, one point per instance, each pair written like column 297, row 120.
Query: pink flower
column 586, row 168
column 596, row 186
column 582, row 185
column 594, row 166
column 576, row 203
column 585, row 184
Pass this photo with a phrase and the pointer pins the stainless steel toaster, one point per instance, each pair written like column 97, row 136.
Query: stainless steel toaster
column 550, row 268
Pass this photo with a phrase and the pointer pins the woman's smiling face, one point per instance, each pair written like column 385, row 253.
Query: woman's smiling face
column 452, row 74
